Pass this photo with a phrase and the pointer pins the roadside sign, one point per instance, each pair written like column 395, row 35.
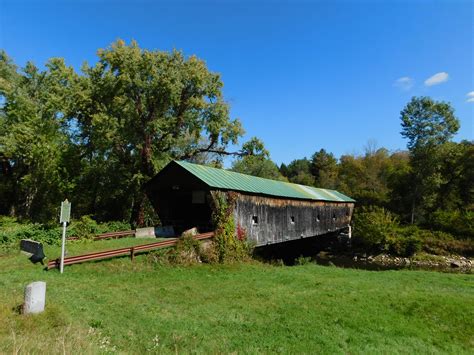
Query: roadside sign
column 65, row 211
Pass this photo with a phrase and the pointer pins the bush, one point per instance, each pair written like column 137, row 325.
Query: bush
column 373, row 227
column 87, row 228
column 12, row 231
column 459, row 223
column 406, row 242
column 432, row 242
column 377, row 230
column 84, row 228
column 187, row 251
column 441, row 243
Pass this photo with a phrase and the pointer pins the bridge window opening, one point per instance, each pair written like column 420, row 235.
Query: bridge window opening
column 254, row 220
column 292, row 219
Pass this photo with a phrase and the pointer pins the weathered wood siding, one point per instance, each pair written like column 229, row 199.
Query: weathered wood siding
column 281, row 220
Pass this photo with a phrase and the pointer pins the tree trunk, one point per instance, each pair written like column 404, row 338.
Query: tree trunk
column 146, row 167
column 413, row 211
column 137, row 218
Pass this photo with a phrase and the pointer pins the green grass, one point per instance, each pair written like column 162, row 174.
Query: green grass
column 133, row 307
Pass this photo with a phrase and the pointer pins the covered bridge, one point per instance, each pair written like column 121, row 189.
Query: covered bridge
column 270, row 211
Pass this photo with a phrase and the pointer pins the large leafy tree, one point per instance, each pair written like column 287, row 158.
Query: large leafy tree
column 138, row 109
column 426, row 122
column 428, row 125
column 34, row 139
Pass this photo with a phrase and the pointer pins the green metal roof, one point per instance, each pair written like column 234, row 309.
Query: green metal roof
column 229, row 180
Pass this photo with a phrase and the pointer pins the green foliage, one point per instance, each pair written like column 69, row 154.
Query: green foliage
column 35, row 145
column 143, row 108
column 427, row 122
column 437, row 242
column 378, row 230
column 98, row 137
column 324, row 169
column 298, row 172
column 255, row 161
column 86, row 227
column 404, row 242
column 373, row 227
column 12, row 231
column 229, row 242
column 428, row 125
column 459, row 223
column 187, row 251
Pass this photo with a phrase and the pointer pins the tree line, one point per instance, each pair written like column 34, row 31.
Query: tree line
column 98, row 135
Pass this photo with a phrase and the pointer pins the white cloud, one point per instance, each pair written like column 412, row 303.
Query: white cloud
column 404, row 83
column 470, row 96
column 436, row 79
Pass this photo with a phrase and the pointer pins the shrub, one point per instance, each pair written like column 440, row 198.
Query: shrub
column 187, row 251
column 12, row 231
column 432, row 242
column 441, row 243
column 373, row 226
column 84, row 228
column 458, row 223
column 404, row 243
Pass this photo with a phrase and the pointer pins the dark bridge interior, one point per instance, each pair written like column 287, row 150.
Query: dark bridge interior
column 181, row 200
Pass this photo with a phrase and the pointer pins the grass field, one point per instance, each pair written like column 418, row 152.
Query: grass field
column 120, row 306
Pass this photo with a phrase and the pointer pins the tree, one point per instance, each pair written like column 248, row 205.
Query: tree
column 34, row 140
column 324, row 169
column 298, row 172
column 427, row 124
column 255, row 160
column 138, row 109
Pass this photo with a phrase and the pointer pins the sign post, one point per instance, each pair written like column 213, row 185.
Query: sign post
column 64, row 219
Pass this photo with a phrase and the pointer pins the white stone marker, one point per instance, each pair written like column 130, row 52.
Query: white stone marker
column 35, row 297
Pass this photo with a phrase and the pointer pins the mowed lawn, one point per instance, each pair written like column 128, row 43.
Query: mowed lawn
column 135, row 307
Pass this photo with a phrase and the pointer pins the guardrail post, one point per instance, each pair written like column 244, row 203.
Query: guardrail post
column 132, row 253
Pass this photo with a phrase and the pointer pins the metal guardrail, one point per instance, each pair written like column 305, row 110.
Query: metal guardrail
column 106, row 254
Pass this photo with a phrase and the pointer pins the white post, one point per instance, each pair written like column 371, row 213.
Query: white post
column 63, row 247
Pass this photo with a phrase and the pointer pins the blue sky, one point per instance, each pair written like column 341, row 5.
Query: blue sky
column 301, row 75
